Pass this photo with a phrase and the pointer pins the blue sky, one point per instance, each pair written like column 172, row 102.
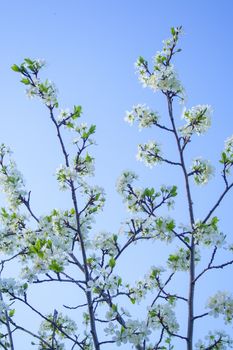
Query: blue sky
column 91, row 47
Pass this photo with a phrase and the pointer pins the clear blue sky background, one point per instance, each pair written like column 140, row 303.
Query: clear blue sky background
column 91, row 47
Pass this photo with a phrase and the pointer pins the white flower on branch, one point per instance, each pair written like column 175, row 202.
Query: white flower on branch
column 221, row 304
column 202, row 171
column 198, row 120
column 145, row 117
column 149, row 153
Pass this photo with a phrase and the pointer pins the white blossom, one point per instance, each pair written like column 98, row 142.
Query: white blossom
column 12, row 184
column 180, row 260
column 149, row 153
column 64, row 113
column 13, row 287
column 145, row 117
column 208, row 234
column 218, row 340
column 125, row 179
column 163, row 315
column 198, row 120
column 105, row 242
column 229, row 145
column 202, row 170
column 65, row 175
column 221, row 304
column 227, row 155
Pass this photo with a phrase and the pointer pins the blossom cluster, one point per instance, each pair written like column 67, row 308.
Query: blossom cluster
column 202, row 170
column 65, row 175
column 149, row 153
column 145, row 117
column 161, row 228
column 180, row 260
column 208, row 234
column 218, row 340
column 221, row 304
column 11, row 180
column 46, row 90
column 163, row 316
column 106, row 242
column 227, row 155
column 57, row 325
column 12, row 231
column 134, row 332
column 164, row 76
column 95, row 198
column 151, row 281
column 11, row 286
column 198, row 120
column 124, row 180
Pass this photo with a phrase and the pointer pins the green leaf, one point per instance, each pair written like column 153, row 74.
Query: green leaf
column 11, row 312
column 77, row 112
column 70, row 125
column 173, row 191
column 112, row 262
column 119, row 282
column 224, row 158
column 170, row 225
column 25, row 81
column 173, row 32
column 114, row 308
column 72, row 211
column 15, row 68
column 54, row 266
column 141, row 60
column 29, row 61
column 92, row 129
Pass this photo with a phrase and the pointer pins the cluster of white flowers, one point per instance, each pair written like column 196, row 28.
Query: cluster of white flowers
column 149, row 153
column 63, row 323
column 180, row 260
column 104, row 281
column 84, row 166
column 95, row 195
column 163, row 315
column 198, row 120
column 13, row 287
column 227, row 155
column 125, row 179
column 65, row 175
column 12, row 232
column 148, row 283
column 164, row 77
column 202, row 170
column 12, row 184
column 49, row 246
column 221, row 304
column 46, row 90
column 164, row 229
column 229, row 145
column 160, row 228
column 145, row 117
column 218, row 340
column 208, row 234
column 112, row 313
column 134, row 332
column 64, row 114
column 105, row 242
